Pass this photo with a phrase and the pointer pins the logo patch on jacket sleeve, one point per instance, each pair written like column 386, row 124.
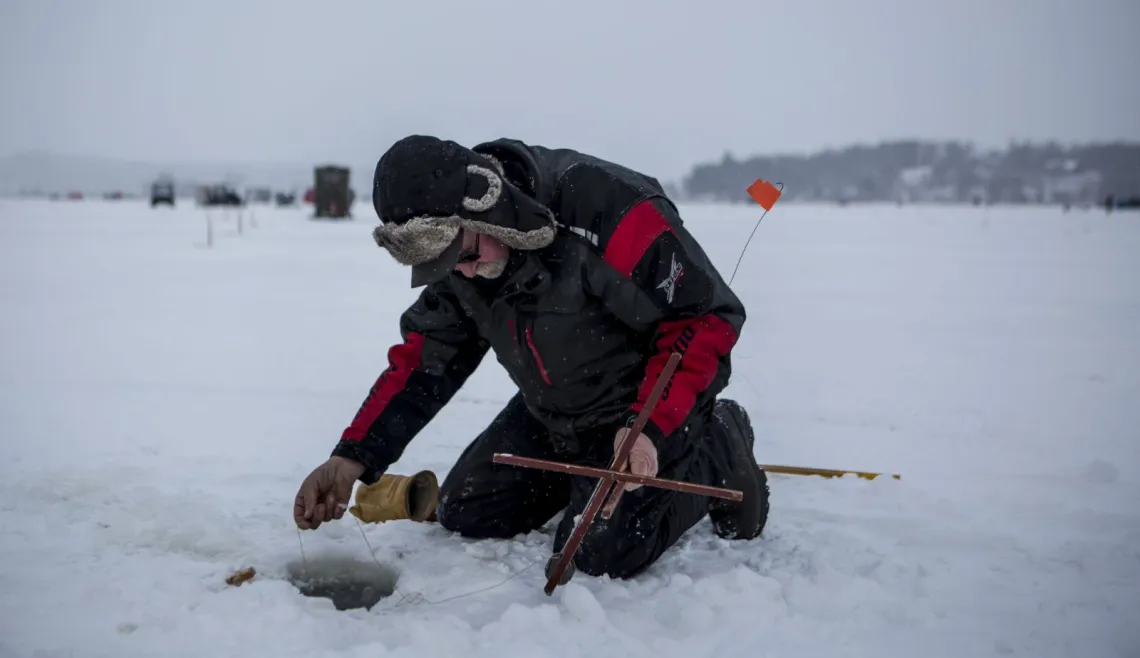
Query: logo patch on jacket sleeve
column 669, row 283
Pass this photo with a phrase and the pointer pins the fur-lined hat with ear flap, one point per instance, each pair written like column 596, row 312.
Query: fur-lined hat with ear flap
column 427, row 190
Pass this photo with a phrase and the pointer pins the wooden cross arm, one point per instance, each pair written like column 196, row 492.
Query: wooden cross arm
column 620, row 476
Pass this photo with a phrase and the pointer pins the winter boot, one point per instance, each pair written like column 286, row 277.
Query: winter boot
column 732, row 431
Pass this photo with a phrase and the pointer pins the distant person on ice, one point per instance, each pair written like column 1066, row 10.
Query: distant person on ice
column 578, row 273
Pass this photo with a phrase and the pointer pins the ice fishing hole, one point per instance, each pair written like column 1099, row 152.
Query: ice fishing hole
column 350, row 584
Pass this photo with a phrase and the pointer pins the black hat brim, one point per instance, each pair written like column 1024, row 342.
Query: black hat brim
column 438, row 268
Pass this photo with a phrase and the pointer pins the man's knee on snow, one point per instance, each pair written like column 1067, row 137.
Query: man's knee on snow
column 617, row 554
column 458, row 514
column 609, row 563
column 468, row 517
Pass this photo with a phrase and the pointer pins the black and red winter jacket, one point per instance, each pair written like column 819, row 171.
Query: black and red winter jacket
column 583, row 326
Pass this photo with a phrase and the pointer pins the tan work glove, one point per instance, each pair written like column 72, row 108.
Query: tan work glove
column 642, row 458
column 395, row 497
column 324, row 494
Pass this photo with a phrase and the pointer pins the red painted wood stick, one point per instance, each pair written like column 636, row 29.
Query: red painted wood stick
column 620, row 476
column 607, row 481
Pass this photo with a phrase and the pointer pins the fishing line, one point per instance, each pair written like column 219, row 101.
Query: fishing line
column 417, row 598
column 414, row 598
column 304, row 560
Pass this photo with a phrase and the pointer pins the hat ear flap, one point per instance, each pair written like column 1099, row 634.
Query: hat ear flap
column 419, row 240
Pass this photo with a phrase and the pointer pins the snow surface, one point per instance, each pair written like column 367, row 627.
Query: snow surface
column 162, row 401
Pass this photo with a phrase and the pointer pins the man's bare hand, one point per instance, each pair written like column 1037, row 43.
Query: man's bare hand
column 642, row 458
column 324, row 494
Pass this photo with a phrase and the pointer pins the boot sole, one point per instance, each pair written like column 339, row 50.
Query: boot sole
column 746, row 519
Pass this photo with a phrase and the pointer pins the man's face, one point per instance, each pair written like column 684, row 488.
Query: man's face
column 482, row 256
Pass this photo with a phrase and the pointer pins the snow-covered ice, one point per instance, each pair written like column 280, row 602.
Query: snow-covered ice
column 162, row 401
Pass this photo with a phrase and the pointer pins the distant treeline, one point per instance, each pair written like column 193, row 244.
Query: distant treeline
column 932, row 172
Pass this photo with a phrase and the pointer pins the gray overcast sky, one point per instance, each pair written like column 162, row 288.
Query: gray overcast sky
column 659, row 84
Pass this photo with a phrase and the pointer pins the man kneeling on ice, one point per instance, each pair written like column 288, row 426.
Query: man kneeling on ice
column 580, row 276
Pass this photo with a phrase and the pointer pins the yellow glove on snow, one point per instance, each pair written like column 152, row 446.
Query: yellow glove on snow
column 395, row 497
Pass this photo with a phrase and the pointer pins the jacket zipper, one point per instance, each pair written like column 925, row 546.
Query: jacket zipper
column 537, row 357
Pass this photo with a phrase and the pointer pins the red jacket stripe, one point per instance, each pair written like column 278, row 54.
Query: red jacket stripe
column 702, row 342
column 635, row 233
column 403, row 360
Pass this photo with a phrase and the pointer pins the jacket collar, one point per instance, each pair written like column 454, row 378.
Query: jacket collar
column 529, row 278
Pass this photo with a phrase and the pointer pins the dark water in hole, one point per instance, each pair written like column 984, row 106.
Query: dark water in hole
column 349, row 583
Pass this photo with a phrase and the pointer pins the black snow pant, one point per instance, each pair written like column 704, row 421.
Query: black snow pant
column 481, row 499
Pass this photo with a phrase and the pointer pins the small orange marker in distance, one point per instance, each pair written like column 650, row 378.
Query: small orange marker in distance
column 764, row 193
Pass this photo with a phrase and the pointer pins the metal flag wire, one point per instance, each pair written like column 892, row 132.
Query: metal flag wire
column 780, row 188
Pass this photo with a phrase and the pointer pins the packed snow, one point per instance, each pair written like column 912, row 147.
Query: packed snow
column 162, row 400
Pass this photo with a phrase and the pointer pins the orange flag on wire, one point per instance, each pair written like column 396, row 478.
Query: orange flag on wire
column 764, row 193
